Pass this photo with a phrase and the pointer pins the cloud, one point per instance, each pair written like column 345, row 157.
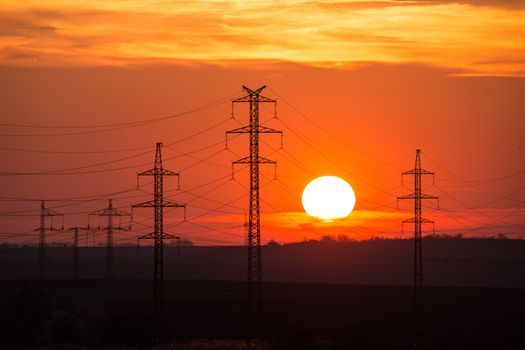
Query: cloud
column 450, row 34
column 25, row 26
column 492, row 3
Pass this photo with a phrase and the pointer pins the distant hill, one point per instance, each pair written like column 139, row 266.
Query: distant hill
column 447, row 262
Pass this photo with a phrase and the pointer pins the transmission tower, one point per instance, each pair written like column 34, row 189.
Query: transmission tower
column 245, row 230
column 158, row 204
column 45, row 212
column 110, row 212
column 178, row 238
column 75, row 230
column 418, row 196
column 254, row 300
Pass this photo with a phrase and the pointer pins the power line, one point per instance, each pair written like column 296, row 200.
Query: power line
column 328, row 132
column 29, row 150
column 306, row 169
column 317, row 150
column 88, row 199
column 115, row 126
column 231, row 234
column 474, row 209
column 65, row 170
column 76, row 170
column 82, row 199
column 476, row 182
column 116, row 150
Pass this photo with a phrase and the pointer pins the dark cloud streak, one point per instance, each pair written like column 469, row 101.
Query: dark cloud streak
column 514, row 4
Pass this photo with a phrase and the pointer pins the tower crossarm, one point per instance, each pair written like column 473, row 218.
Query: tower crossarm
column 162, row 172
column 50, row 212
column 114, row 228
column 413, row 196
column 152, row 204
column 422, row 196
column 83, row 228
column 258, row 160
column 164, row 236
column 253, row 94
column 147, row 236
column 416, row 171
column 413, row 220
column 428, row 196
column 407, row 196
column 169, row 236
column 52, row 229
column 110, row 212
column 258, row 129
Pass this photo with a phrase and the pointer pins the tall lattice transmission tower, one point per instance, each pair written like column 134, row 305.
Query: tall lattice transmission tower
column 110, row 213
column 254, row 278
column 158, row 204
column 76, row 248
column 42, row 258
column 418, row 196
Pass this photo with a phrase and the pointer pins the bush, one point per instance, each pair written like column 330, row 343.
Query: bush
column 26, row 313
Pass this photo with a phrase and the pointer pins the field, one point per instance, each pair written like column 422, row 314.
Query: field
column 447, row 262
column 318, row 295
column 295, row 314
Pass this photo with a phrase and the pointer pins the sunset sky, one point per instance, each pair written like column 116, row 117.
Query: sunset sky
column 360, row 86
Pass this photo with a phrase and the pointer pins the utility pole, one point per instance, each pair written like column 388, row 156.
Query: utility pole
column 45, row 212
column 418, row 196
column 110, row 212
column 158, row 204
column 254, row 278
column 76, row 249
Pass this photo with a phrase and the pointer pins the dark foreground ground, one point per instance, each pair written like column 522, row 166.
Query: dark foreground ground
column 117, row 314
column 447, row 262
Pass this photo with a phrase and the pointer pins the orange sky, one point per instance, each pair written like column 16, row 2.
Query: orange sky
column 474, row 39
column 377, row 78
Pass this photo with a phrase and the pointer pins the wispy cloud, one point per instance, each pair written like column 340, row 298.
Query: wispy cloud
column 461, row 35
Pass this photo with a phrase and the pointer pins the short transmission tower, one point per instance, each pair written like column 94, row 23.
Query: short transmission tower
column 254, row 301
column 418, row 196
column 110, row 212
column 45, row 212
column 158, row 204
column 76, row 255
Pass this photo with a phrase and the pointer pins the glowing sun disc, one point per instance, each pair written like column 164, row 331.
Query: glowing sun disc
column 328, row 197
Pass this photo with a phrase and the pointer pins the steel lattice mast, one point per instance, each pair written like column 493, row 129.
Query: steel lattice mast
column 44, row 212
column 76, row 259
column 158, row 204
column 418, row 196
column 110, row 212
column 254, row 277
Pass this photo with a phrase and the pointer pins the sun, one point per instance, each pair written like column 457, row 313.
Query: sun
column 328, row 197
